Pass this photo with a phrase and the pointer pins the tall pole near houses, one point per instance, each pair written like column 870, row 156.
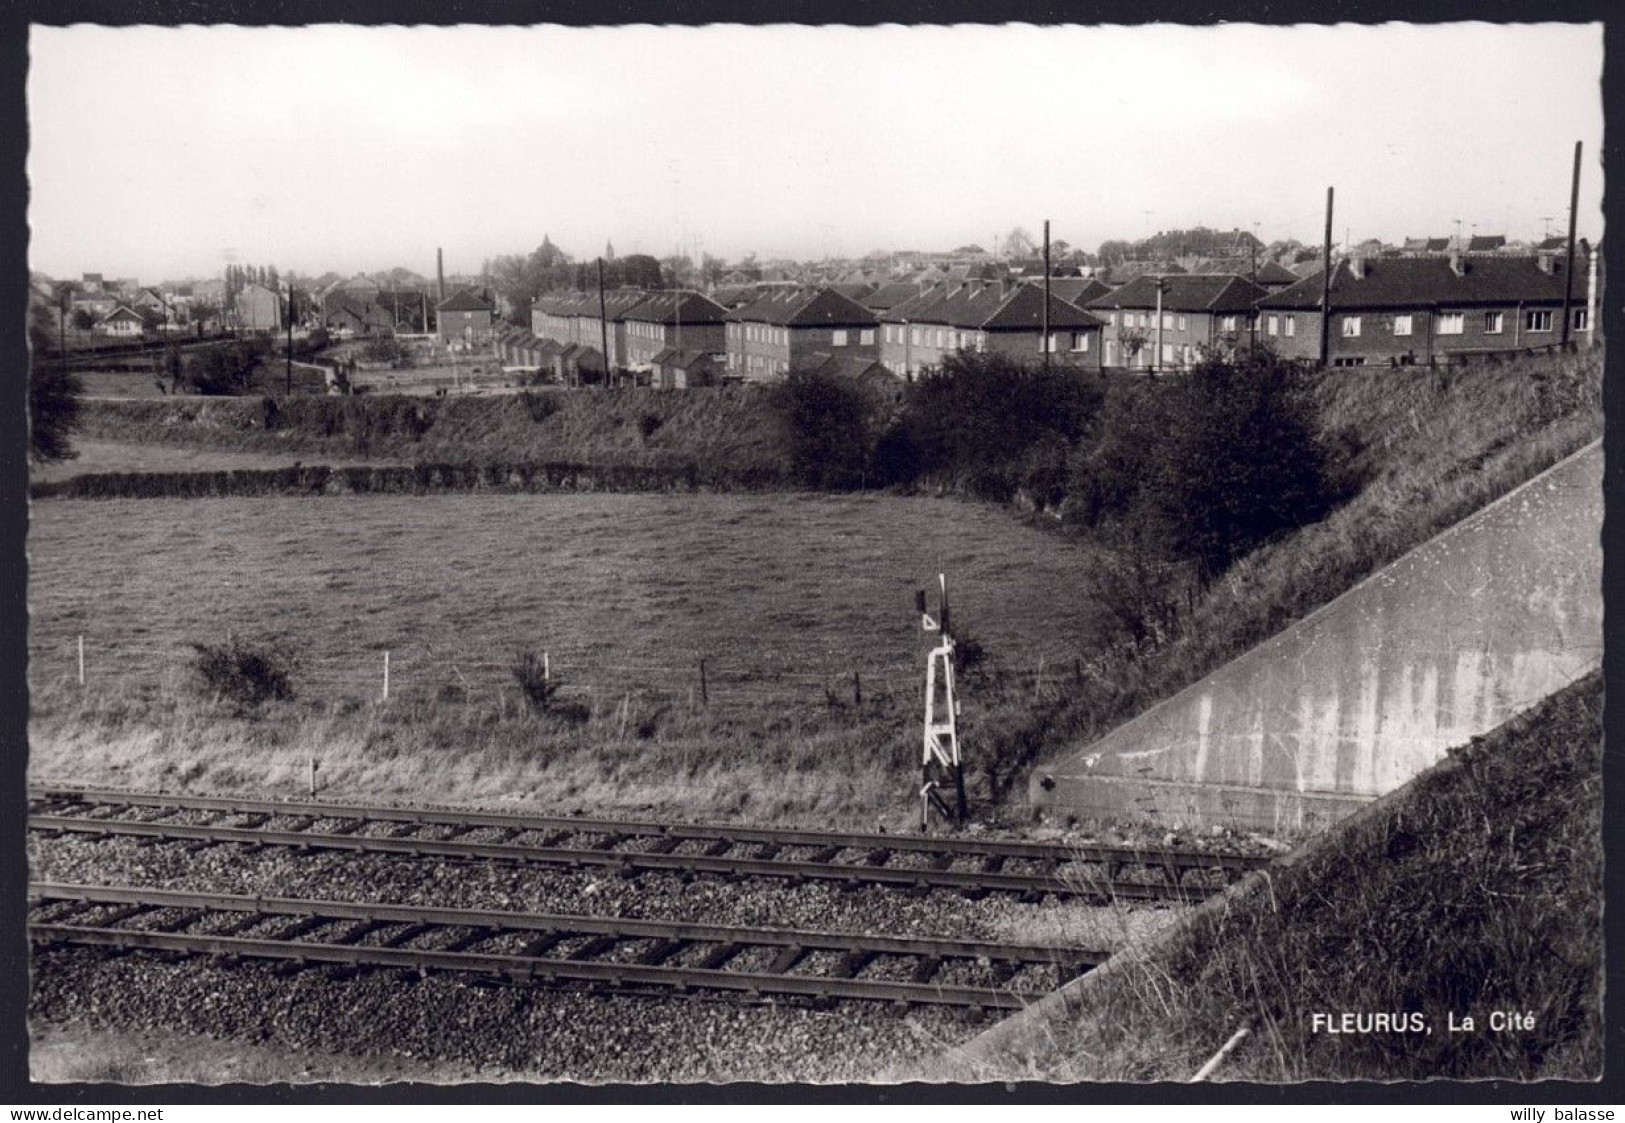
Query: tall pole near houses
column 1156, row 358
column 1046, row 344
column 603, row 319
column 1568, row 270
column 1326, row 288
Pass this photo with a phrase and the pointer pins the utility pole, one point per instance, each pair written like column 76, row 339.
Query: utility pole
column 1156, row 358
column 1047, row 344
column 289, row 391
column 1568, row 270
column 1326, row 287
column 603, row 319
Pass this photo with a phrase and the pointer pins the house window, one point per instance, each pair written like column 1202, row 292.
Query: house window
column 1402, row 325
column 838, row 339
column 1167, row 320
column 914, row 334
column 1452, row 323
column 1111, row 318
column 1271, row 325
column 1167, row 352
column 1183, row 323
column 1080, row 341
column 1582, row 319
column 1227, row 323
column 1493, row 323
column 1351, row 327
column 1540, row 320
column 1291, row 326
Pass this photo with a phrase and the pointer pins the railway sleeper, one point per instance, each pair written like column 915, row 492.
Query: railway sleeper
column 471, row 938
column 302, row 927
column 594, row 947
column 666, row 845
column 786, row 959
column 925, row 969
column 718, row 956
column 610, row 841
column 879, row 856
column 661, row 952
column 406, row 935
column 359, row 932
column 993, row 863
column 851, row 964
column 543, row 943
column 177, row 923
column 718, row 848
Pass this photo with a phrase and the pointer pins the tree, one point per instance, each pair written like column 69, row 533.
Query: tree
column 828, row 425
column 1019, row 243
column 53, row 394
column 82, row 319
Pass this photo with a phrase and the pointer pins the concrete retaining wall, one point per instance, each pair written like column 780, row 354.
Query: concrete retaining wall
column 1445, row 644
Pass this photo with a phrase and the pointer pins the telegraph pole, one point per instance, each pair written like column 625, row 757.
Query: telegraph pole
column 1568, row 271
column 1046, row 344
column 603, row 319
column 1156, row 358
column 290, row 340
column 1326, row 288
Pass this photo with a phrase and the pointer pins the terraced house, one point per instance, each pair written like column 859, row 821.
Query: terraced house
column 1410, row 310
column 576, row 318
column 685, row 321
column 992, row 316
column 784, row 330
column 1196, row 310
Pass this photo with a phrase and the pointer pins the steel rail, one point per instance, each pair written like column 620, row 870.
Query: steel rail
column 808, row 939
column 958, row 847
column 515, row 967
column 852, row 873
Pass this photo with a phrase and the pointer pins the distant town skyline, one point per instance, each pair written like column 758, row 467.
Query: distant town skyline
column 345, row 149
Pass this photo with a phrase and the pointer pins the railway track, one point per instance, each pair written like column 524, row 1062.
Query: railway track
column 631, row 847
column 540, row 950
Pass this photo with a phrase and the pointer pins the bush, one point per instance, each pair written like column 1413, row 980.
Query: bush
column 53, row 411
column 829, row 427
column 245, row 672
column 530, row 672
column 993, row 425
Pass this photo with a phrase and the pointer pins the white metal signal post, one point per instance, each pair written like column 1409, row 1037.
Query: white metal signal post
column 940, row 763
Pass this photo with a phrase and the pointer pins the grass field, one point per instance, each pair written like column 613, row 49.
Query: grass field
column 785, row 597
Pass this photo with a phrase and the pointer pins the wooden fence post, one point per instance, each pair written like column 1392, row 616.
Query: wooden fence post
column 705, row 696
column 857, row 691
column 81, row 660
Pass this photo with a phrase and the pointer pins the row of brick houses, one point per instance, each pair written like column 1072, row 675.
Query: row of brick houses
column 1422, row 309
column 1397, row 310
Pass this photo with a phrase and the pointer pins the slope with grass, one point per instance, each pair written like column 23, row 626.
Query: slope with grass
column 724, row 431
column 1429, row 448
column 1473, row 891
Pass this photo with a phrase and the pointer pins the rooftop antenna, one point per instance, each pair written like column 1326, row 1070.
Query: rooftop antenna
column 940, row 763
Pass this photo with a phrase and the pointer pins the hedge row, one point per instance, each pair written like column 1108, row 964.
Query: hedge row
column 418, row 479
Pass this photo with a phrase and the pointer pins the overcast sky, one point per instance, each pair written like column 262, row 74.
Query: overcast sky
column 165, row 152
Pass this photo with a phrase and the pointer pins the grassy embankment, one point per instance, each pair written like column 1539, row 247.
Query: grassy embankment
column 1429, row 448
column 785, row 597
column 727, row 430
column 1476, row 889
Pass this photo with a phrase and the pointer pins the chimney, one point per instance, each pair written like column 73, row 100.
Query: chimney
column 1547, row 263
column 1357, row 267
column 440, row 273
column 1458, row 265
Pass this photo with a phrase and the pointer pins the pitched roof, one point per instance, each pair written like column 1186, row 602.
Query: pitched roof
column 671, row 308
column 987, row 306
column 889, row 296
column 804, row 308
column 846, row 366
column 1185, row 292
column 1077, row 290
column 463, row 301
column 1424, row 282
column 682, row 357
column 122, row 312
column 1483, row 243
